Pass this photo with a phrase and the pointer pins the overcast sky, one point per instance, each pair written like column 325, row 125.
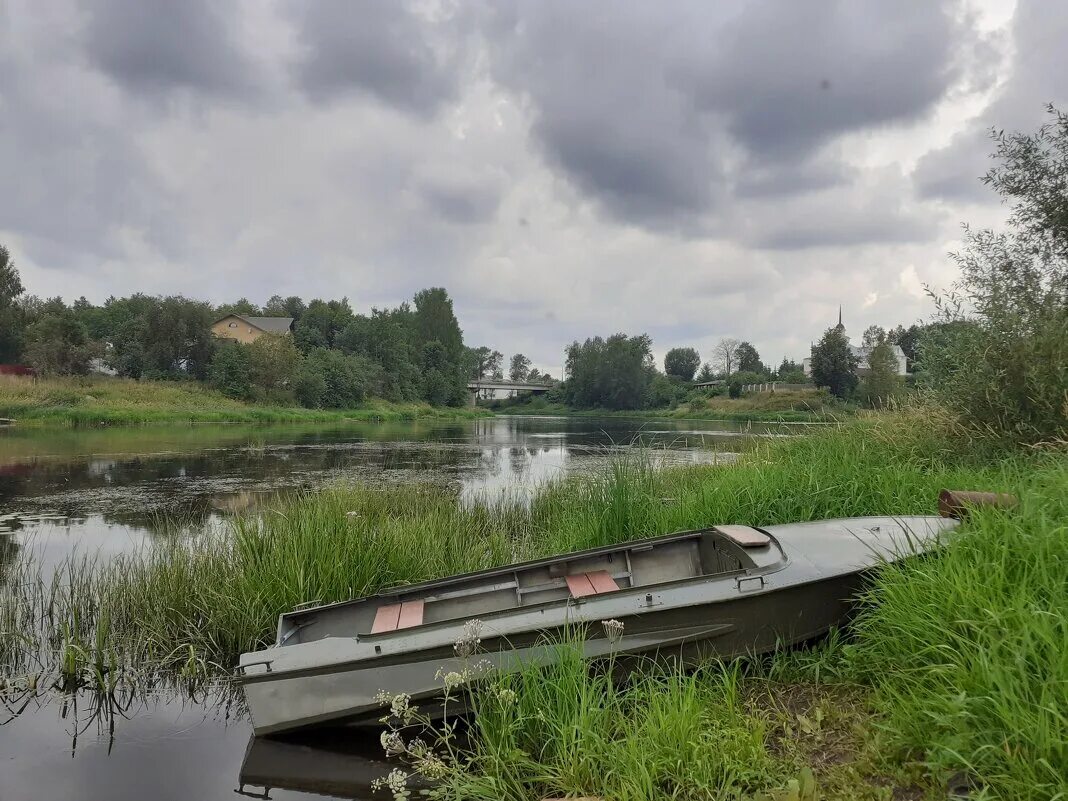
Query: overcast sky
column 693, row 170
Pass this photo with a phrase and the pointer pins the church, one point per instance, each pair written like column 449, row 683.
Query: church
column 861, row 353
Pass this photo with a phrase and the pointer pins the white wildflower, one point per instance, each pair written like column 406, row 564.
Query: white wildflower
column 469, row 641
column 417, row 748
column 613, row 630
column 505, row 696
column 383, row 698
column 432, row 767
column 396, row 782
column 401, row 707
column 392, row 743
column 453, row 679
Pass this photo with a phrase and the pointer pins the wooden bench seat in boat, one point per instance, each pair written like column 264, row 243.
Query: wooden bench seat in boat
column 593, row 583
column 398, row 616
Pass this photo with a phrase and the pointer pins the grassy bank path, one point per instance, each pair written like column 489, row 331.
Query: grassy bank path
column 114, row 401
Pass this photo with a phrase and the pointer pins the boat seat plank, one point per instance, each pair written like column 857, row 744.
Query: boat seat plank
column 398, row 616
column 602, row 581
column 593, row 583
column 746, row 536
column 580, row 586
column 411, row 614
column 386, row 618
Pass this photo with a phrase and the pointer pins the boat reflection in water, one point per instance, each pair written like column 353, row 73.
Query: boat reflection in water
column 338, row 763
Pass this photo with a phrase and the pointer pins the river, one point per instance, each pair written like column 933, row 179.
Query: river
column 109, row 491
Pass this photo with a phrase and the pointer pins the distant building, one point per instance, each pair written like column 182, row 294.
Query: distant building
column 862, row 355
column 248, row 329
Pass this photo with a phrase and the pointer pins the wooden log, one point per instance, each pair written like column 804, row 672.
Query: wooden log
column 958, row 503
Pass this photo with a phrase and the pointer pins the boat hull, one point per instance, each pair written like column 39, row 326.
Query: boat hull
column 797, row 586
column 724, row 629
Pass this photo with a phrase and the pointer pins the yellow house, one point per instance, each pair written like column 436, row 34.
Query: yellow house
column 249, row 329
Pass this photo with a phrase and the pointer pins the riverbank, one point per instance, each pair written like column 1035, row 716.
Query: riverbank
column 954, row 665
column 79, row 403
column 779, row 407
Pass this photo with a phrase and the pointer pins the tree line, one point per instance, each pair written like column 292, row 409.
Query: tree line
column 334, row 358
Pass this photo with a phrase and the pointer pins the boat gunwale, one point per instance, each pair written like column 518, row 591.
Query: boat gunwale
column 396, row 591
column 563, row 603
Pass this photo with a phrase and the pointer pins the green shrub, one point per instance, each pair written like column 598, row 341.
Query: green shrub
column 1001, row 359
column 230, row 371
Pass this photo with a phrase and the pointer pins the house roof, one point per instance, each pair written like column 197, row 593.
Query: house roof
column 270, row 325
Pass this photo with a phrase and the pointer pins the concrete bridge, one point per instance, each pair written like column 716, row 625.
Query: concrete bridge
column 492, row 384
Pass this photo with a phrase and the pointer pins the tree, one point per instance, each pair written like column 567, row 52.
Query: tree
column 882, row 382
column 229, row 371
column 342, row 379
column 518, row 368
column 1004, row 363
column 59, row 344
column 908, row 339
column 790, row 372
column 243, row 306
column 278, row 306
column 725, row 352
column 321, row 323
column 706, row 374
column 833, row 364
column 682, row 363
column 485, row 362
column 747, row 359
column 612, row 373
column 435, row 321
column 12, row 321
column 10, row 282
column 274, row 362
column 873, row 335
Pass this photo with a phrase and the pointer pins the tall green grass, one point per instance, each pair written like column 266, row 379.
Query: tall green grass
column 964, row 651
column 969, row 652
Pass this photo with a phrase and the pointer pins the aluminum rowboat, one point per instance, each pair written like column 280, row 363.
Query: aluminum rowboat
column 723, row 591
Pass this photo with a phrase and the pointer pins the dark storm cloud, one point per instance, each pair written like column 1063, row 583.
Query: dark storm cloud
column 153, row 46
column 381, row 48
column 649, row 111
column 792, row 76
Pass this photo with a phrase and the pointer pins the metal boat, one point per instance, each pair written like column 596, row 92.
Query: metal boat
column 723, row 591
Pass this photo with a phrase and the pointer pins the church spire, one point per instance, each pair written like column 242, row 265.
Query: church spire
column 840, row 326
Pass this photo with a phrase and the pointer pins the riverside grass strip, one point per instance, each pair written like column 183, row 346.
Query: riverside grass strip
column 81, row 403
column 959, row 658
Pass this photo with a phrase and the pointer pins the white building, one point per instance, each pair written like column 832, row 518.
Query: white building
column 862, row 354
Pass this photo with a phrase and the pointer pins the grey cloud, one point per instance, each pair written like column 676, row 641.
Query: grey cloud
column 1038, row 70
column 381, row 48
column 791, row 76
column 757, row 179
column 462, row 202
column 644, row 110
column 153, row 46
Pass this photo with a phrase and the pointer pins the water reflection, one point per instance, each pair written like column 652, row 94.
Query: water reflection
column 341, row 763
column 112, row 491
column 117, row 490
column 162, row 745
